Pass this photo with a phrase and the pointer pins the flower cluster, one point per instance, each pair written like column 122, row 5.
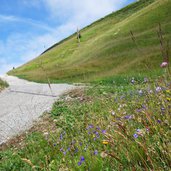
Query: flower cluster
column 82, row 160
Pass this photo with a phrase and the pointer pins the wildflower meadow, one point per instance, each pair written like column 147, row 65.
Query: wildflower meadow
column 103, row 127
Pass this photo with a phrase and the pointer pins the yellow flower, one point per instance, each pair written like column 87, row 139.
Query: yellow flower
column 168, row 99
column 167, row 91
column 105, row 142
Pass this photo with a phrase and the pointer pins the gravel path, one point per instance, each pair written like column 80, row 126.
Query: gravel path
column 23, row 102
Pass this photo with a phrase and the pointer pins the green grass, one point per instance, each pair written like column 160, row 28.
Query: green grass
column 3, row 84
column 122, row 122
column 113, row 127
column 106, row 49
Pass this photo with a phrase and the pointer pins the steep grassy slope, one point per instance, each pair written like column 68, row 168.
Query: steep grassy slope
column 106, row 49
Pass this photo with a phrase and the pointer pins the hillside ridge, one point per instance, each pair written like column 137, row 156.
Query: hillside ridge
column 106, row 49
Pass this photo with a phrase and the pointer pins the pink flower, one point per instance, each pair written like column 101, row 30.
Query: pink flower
column 164, row 64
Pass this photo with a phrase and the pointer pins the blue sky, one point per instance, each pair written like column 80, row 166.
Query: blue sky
column 28, row 27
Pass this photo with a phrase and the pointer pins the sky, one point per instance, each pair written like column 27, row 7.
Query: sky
column 28, row 27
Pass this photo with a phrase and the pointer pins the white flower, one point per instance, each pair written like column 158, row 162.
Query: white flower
column 150, row 91
column 140, row 92
column 158, row 89
column 113, row 113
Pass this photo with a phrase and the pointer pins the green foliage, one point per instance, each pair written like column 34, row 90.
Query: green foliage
column 59, row 108
column 3, row 84
column 107, row 127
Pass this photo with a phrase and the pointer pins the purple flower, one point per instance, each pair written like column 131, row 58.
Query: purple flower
column 163, row 109
column 139, row 110
column 61, row 136
column 79, row 163
column 90, row 126
column 76, row 150
column 103, row 131
column 143, row 106
column 98, row 128
column 54, row 144
column 128, row 117
column 159, row 121
column 135, row 135
column 64, row 152
column 95, row 152
column 82, row 158
column 96, row 133
column 138, row 130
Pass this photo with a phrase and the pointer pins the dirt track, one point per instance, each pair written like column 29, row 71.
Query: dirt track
column 23, row 102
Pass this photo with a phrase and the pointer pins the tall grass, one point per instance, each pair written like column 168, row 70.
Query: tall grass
column 105, row 127
column 3, row 84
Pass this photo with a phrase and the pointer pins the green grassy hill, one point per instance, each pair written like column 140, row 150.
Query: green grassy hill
column 106, row 49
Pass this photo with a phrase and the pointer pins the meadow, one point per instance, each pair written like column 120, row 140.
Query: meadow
column 121, row 119
column 101, row 128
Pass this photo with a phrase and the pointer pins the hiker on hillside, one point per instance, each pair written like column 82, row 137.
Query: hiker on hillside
column 78, row 35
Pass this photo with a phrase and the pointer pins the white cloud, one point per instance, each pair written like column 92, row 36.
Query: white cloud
column 29, row 21
column 7, row 18
column 82, row 12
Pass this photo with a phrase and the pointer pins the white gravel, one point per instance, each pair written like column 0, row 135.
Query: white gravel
column 23, row 103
